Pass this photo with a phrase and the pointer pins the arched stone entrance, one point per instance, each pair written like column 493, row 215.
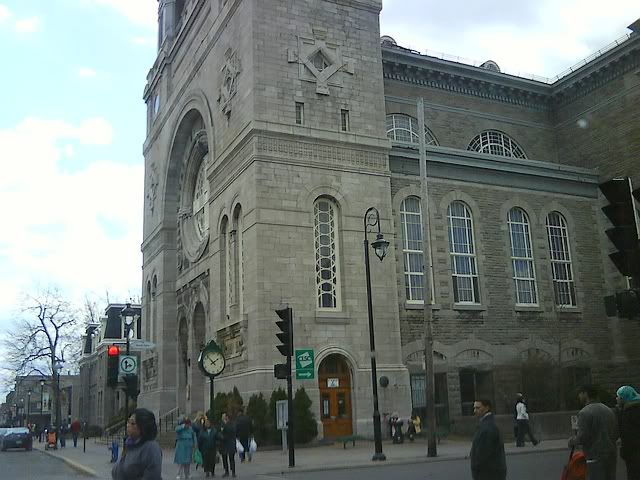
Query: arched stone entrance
column 197, row 342
column 334, row 382
column 183, row 363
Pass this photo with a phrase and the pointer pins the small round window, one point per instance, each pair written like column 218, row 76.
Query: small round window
column 201, row 201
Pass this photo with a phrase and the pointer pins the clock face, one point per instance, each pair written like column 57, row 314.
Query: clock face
column 213, row 363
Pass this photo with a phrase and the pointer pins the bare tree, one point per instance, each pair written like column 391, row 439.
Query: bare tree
column 44, row 334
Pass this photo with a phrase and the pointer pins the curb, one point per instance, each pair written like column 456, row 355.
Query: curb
column 78, row 467
column 401, row 461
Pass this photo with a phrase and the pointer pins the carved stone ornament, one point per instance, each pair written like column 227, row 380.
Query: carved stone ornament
column 229, row 81
column 320, row 61
column 152, row 191
column 192, row 242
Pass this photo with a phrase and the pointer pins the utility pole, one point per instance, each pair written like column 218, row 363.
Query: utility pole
column 427, row 284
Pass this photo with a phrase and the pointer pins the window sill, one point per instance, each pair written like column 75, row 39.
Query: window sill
column 332, row 318
column 469, row 307
column 569, row 310
column 419, row 306
column 525, row 308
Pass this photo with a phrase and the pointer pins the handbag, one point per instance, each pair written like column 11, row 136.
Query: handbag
column 253, row 446
column 197, row 457
column 239, row 446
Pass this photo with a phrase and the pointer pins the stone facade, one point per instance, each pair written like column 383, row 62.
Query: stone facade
column 273, row 111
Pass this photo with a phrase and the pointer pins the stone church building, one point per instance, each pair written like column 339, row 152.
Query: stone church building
column 273, row 125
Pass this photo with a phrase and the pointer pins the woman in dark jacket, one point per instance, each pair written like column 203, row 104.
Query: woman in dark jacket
column 142, row 457
column 228, row 448
column 629, row 405
column 207, row 440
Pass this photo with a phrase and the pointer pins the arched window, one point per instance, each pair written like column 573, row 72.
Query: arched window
column 411, row 221
column 463, row 254
column 225, row 277
column 403, row 128
column 326, row 251
column 560, row 254
column 496, row 143
column 524, row 272
column 237, row 263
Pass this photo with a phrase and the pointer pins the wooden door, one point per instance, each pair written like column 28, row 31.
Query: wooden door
column 335, row 397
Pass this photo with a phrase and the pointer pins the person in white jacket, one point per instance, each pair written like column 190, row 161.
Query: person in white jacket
column 522, row 421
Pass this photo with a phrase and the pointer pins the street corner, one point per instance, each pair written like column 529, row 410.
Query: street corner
column 78, row 467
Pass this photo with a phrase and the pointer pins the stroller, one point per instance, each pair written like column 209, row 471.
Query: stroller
column 52, row 440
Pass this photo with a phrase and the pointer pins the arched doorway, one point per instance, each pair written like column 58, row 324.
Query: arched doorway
column 197, row 342
column 183, row 363
column 334, row 381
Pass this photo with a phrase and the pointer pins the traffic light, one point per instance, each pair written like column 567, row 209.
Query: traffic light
column 113, row 365
column 281, row 371
column 285, row 324
column 624, row 234
column 131, row 386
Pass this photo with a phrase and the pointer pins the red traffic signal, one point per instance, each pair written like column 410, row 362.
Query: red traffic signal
column 113, row 351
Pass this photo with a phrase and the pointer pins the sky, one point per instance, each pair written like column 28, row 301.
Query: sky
column 72, row 118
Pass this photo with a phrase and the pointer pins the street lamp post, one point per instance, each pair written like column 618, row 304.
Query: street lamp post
column 57, row 368
column 372, row 219
column 41, row 409
column 28, row 405
column 128, row 316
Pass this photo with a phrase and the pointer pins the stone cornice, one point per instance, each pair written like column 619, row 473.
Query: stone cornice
column 483, row 169
column 598, row 73
column 409, row 67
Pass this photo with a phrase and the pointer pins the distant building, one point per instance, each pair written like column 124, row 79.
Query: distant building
column 33, row 400
column 98, row 402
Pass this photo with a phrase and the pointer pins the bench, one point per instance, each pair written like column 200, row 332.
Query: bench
column 348, row 438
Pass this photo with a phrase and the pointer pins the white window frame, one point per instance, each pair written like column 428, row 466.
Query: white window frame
column 299, row 113
column 332, row 254
column 409, row 250
column 494, row 142
column 401, row 128
column 464, row 250
column 526, row 259
column 561, row 260
column 344, row 120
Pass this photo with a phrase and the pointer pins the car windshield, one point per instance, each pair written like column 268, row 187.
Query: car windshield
column 17, row 430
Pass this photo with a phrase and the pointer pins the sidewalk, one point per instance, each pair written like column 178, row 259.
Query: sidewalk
column 95, row 461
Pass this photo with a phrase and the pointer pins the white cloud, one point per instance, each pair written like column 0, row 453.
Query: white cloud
column 541, row 37
column 86, row 72
column 139, row 12
column 27, row 25
column 79, row 230
column 5, row 13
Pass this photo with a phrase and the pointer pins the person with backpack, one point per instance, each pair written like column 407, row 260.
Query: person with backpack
column 629, row 407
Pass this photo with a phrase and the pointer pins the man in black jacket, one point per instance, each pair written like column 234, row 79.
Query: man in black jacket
column 487, row 450
column 243, row 432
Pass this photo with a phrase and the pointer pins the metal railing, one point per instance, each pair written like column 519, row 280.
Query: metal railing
column 169, row 420
column 115, row 432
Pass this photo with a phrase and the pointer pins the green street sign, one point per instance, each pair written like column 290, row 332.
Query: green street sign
column 305, row 365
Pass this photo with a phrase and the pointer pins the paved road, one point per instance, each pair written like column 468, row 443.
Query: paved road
column 34, row 465
column 542, row 466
